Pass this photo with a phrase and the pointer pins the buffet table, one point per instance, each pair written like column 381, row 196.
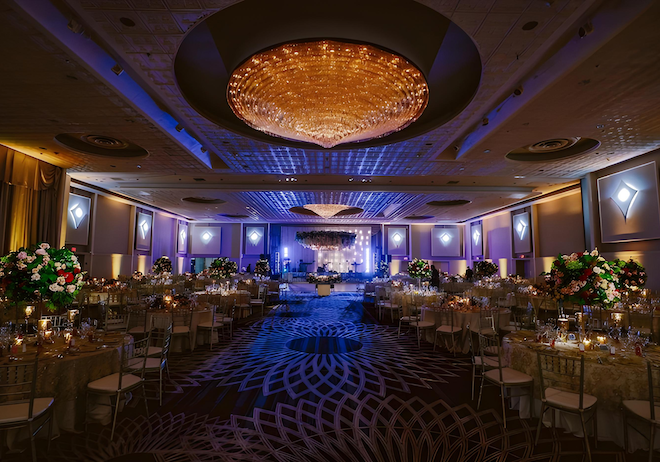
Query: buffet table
column 611, row 379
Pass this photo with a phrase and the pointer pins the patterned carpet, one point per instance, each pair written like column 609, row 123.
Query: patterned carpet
column 319, row 380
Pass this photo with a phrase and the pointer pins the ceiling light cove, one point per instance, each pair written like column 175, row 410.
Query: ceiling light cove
column 324, row 92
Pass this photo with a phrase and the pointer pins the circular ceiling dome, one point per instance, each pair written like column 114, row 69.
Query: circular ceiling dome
column 327, row 92
column 342, row 213
column 553, row 149
column 217, row 57
column 100, row 145
column 203, row 200
column 418, row 217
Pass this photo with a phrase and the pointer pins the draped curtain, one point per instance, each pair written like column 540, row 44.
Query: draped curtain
column 30, row 192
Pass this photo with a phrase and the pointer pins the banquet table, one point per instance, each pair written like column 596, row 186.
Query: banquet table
column 611, row 379
column 467, row 320
column 64, row 375
column 238, row 297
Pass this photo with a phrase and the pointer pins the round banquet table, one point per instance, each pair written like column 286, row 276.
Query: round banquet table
column 612, row 380
column 179, row 343
column 466, row 320
column 64, row 376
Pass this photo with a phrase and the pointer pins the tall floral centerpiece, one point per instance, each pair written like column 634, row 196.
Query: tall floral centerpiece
column 383, row 269
column 162, row 265
column 485, row 269
column 223, row 268
column 326, row 240
column 419, row 269
column 585, row 278
column 262, row 267
column 632, row 276
column 41, row 273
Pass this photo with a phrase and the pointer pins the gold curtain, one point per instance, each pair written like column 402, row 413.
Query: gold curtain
column 29, row 200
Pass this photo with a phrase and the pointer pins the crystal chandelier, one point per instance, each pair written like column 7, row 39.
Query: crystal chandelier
column 327, row 92
column 326, row 210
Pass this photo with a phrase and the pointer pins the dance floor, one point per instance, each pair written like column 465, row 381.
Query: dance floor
column 319, row 380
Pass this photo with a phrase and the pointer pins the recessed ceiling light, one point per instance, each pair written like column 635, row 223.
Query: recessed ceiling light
column 519, row 176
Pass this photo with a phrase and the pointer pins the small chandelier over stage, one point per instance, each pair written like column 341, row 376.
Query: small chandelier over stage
column 326, row 210
column 327, row 92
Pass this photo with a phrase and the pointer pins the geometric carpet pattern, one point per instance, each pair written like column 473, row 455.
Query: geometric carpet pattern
column 319, row 380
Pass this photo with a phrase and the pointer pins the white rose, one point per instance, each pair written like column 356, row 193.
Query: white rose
column 21, row 266
column 61, row 280
column 73, row 258
column 594, row 253
column 44, row 246
column 41, row 252
column 36, row 277
column 54, row 288
column 71, row 289
column 58, row 264
column 22, row 255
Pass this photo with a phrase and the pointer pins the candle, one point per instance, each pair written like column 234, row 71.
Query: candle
column 67, row 338
column 44, row 324
column 29, row 310
column 612, row 351
column 581, row 347
column 48, row 334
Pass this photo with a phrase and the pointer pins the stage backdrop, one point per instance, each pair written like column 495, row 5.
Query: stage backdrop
column 340, row 261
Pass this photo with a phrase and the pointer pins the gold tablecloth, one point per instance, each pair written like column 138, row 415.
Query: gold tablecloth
column 64, row 376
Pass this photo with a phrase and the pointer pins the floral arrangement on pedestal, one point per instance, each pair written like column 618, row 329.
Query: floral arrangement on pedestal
column 585, row 278
column 262, row 267
column 137, row 276
column 41, row 273
column 326, row 240
column 223, row 268
column 419, row 269
column 162, row 265
column 632, row 275
column 383, row 269
column 485, row 269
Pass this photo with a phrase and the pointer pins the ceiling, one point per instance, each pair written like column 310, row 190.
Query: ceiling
column 56, row 67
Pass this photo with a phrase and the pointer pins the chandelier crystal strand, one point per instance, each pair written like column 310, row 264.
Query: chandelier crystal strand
column 326, row 210
column 327, row 92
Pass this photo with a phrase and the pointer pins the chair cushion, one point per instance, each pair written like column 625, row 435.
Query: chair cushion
column 387, row 305
column 210, row 325
column 641, row 408
column 409, row 318
column 181, row 330
column 227, row 319
column 18, row 412
column 509, row 376
column 509, row 328
column 422, row 324
column 448, row 329
column 489, row 360
column 151, row 363
column 109, row 383
column 568, row 399
column 138, row 330
column 154, row 351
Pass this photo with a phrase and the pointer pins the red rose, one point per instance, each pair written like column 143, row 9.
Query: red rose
column 588, row 272
column 583, row 277
column 76, row 270
column 580, row 254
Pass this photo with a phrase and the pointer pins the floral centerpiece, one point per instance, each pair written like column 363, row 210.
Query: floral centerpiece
column 41, row 273
column 262, row 267
column 485, row 269
column 585, row 278
column 383, row 269
column 632, row 275
column 419, row 269
column 223, row 268
column 162, row 265
column 326, row 240
column 137, row 276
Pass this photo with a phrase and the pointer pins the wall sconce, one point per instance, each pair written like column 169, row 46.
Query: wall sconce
column 445, row 238
column 520, row 229
column 144, row 229
column 623, row 197
column 77, row 214
column 397, row 239
column 182, row 236
column 254, row 237
column 206, row 237
column 476, row 235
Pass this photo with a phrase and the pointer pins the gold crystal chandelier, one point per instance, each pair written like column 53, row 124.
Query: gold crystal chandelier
column 327, row 92
column 326, row 210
